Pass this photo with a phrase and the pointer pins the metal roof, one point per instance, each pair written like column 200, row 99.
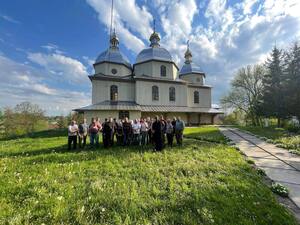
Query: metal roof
column 131, row 105
column 113, row 55
column 191, row 67
column 154, row 53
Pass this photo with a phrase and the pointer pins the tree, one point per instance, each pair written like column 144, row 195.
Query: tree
column 246, row 92
column 273, row 104
column 292, row 80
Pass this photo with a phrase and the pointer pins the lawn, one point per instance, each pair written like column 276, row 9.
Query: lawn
column 277, row 136
column 200, row 183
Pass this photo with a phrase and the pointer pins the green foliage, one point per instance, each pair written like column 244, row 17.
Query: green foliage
column 280, row 190
column 199, row 183
column 205, row 133
column 277, row 136
column 246, row 92
column 25, row 118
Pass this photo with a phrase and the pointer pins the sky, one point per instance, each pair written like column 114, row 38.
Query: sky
column 47, row 48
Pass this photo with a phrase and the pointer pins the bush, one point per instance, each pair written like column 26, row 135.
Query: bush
column 280, row 190
column 293, row 128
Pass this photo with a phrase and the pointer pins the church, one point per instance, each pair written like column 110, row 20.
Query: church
column 153, row 85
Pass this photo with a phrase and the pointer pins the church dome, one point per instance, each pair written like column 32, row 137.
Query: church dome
column 113, row 54
column 155, row 52
column 189, row 66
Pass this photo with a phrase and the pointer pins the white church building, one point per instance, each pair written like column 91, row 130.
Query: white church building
column 153, row 85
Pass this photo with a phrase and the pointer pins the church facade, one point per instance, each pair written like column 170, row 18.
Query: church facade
column 153, row 85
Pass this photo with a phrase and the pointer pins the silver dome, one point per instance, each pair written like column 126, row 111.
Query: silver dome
column 154, row 53
column 113, row 55
column 191, row 67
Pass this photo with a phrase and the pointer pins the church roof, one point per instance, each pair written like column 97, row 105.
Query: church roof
column 191, row 67
column 113, row 53
column 131, row 105
column 154, row 53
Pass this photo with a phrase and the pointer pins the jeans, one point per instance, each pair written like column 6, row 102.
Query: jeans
column 179, row 134
column 93, row 138
column 82, row 140
column 170, row 139
column 137, row 139
column 144, row 137
column 72, row 139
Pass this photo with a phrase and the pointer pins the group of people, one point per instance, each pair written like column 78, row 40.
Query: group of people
column 127, row 132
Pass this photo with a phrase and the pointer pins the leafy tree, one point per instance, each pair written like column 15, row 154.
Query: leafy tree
column 273, row 104
column 292, row 80
column 246, row 92
column 62, row 122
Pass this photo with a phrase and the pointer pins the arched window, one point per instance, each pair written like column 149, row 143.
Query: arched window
column 114, row 93
column 196, row 97
column 163, row 71
column 172, row 94
column 155, row 93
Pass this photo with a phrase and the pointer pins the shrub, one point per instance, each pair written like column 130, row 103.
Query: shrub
column 280, row 190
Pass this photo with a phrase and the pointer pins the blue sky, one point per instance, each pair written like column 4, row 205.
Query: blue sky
column 47, row 48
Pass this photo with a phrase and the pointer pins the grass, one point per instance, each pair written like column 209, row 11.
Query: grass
column 278, row 136
column 200, row 183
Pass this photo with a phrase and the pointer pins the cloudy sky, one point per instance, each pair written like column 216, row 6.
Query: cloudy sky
column 47, row 48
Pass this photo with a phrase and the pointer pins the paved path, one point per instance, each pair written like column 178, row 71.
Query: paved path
column 279, row 164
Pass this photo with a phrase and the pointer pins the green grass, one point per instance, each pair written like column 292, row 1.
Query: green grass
column 277, row 136
column 200, row 183
column 206, row 133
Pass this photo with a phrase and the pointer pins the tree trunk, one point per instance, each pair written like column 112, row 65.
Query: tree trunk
column 278, row 122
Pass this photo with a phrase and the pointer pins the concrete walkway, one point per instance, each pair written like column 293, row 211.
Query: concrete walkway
column 279, row 164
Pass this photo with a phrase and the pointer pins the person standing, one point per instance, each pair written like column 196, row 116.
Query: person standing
column 149, row 136
column 108, row 132
column 170, row 133
column 136, row 129
column 144, row 131
column 82, row 133
column 157, row 133
column 93, row 131
column 126, row 131
column 163, row 130
column 174, row 124
column 72, row 135
column 119, row 133
column 98, row 123
column 179, row 128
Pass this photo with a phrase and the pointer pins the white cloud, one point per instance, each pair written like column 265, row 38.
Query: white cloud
column 20, row 82
column 9, row 19
column 132, row 22
column 69, row 68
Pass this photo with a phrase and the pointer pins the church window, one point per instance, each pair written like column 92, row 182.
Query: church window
column 196, row 97
column 172, row 94
column 114, row 93
column 114, row 71
column 155, row 93
column 163, row 71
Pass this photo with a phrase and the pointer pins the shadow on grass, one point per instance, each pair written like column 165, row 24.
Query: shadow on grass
column 208, row 135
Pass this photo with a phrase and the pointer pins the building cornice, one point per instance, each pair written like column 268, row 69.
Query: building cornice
column 123, row 64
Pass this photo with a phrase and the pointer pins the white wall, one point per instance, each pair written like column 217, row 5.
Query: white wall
column 152, row 69
column 144, row 93
column 194, row 78
column 101, row 90
column 204, row 97
column 106, row 68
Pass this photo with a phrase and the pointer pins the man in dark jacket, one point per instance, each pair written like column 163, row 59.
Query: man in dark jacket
column 127, row 129
column 157, row 133
column 108, row 130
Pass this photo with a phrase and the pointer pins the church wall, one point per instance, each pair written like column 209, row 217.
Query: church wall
column 194, row 78
column 169, row 115
column 106, row 69
column 144, row 93
column 152, row 68
column 101, row 90
column 206, row 118
column 204, row 97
